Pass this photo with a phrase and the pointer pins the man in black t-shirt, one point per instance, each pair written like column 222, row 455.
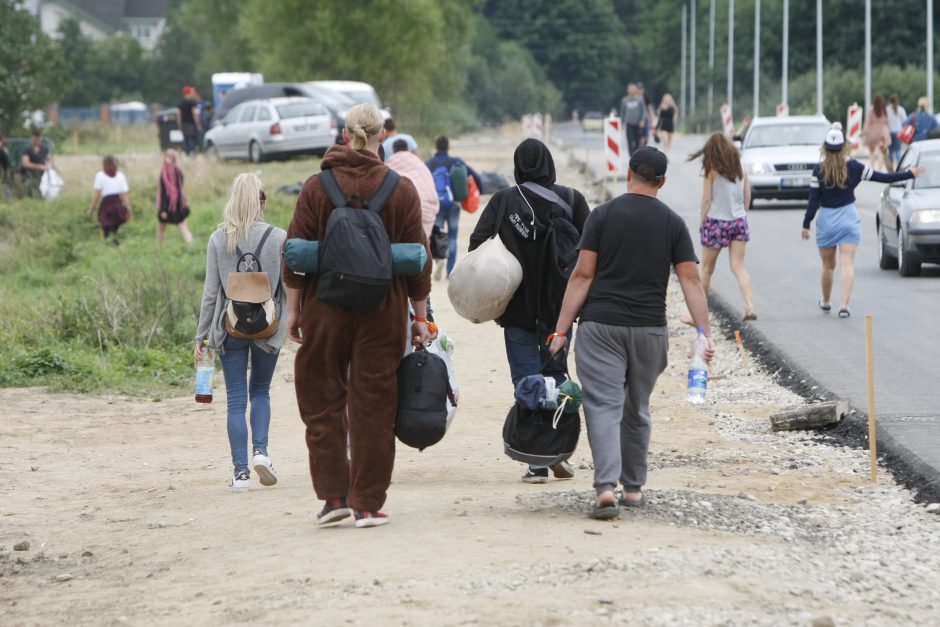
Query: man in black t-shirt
column 189, row 119
column 619, row 289
column 35, row 161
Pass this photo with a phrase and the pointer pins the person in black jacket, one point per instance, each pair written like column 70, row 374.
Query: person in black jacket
column 526, row 216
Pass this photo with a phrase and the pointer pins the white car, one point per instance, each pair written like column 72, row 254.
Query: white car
column 356, row 91
column 259, row 129
column 779, row 155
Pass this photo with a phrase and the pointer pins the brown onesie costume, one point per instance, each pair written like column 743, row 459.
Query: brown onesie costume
column 348, row 361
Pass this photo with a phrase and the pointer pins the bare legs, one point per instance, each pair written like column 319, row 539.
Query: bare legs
column 846, row 256
column 736, row 253
column 184, row 231
column 709, row 259
column 666, row 138
column 828, row 256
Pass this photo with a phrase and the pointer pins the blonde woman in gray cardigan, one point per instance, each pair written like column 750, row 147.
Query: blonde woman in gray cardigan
column 243, row 228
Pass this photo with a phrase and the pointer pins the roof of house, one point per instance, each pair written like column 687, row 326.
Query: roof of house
column 146, row 8
column 111, row 13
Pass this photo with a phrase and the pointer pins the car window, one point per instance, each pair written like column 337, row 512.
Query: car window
column 264, row 114
column 930, row 178
column 299, row 110
column 366, row 95
column 905, row 162
column 248, row 114
column 232, row 116
column 786, row 135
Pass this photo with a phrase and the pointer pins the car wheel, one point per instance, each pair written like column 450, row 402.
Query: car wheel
column 886, row 261
column 908, row 260
column 255, row 154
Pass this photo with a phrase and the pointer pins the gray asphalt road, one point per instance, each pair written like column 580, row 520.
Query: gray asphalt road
column 785, row 273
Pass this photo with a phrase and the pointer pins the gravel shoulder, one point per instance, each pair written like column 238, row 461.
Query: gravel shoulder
column 124, row 508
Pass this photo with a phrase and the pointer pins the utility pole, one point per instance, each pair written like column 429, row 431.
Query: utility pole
column 867, row 55
column 692, row 64
column 730, row 94
column 786, row 52
column 756, row 111
column 819, row 57
column 682, row 68
column 930, row 53
column 711, row 59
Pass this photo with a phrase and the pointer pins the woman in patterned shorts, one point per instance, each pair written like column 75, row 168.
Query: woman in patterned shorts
column 726, row 195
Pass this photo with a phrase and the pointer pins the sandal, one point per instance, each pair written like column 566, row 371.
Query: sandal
column 604, row 512
column 749, row 314
column 826, row 307
column 628, row 503
column 844, row 312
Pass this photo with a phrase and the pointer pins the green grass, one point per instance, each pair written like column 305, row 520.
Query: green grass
column 78, row 313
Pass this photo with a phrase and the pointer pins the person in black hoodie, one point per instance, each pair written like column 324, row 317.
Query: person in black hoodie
column 527, row 210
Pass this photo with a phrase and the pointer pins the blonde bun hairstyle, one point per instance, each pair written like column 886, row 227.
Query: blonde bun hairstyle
column 363, row 123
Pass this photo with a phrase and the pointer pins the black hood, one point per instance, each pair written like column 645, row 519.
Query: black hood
column 533, row 162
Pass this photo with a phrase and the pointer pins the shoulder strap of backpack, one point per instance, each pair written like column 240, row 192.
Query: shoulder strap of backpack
column 328, row 180
column 377, row 202
column 549, row 195
column 264, row 238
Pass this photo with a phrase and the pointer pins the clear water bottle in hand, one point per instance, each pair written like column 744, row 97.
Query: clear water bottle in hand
column 698, row 369
column 205, row 372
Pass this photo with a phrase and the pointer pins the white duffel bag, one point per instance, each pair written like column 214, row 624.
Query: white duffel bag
column 483, row 282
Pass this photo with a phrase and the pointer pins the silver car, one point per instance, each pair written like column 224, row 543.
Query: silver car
column 908, row 218
column 779, row 155
column 259, row 129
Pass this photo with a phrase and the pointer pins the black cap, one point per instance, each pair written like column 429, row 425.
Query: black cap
column 651, row 157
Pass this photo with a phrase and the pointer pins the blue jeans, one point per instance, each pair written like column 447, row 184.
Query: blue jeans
column 894, row 150
column 238, row 389
column 450, row 216
column 526, row 352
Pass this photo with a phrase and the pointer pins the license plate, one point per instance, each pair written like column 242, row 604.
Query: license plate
column 802, row 181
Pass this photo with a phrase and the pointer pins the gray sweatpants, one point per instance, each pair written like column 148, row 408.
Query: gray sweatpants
column 618, row 368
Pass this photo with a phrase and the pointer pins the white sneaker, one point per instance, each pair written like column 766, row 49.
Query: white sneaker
column 265, row 469
column 239, row 482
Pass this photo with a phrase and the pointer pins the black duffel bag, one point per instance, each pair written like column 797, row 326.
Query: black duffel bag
column 423, row 390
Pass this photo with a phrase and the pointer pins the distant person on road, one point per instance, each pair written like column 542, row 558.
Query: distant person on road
column 189, row 119
column 896, row 115
column 647, row 115
column 527, row 213
column 345, row 369
column 243, row 229
column 876, row 133
column 741, row 131
column 618, row 289
column 449, row 214
column 171, row 203
column 922, row 120
column 392, row 135
column 111, row 198
column 726, row 196
column 667, row 114
column 412, row 167
column 632, row 117
column 832, row 194
column 36, row 159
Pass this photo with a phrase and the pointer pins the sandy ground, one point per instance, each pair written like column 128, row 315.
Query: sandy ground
column 124, row 506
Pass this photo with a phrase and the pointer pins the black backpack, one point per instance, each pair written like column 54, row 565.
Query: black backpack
column 355, row 256
column 423, row 390
column 559, row 253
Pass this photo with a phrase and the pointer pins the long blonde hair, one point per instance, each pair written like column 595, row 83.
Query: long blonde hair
column 835, row 166
column 363, row 122
column 667, row 102
column 244, row 206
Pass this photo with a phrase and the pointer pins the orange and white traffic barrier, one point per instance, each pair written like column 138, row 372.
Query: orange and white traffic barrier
column 727, row 122
column 854, row 133
column 613, row 144
column 783, row 110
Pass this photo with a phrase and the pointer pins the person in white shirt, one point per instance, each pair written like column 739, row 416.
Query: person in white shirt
column 111, row 198
column 896, row 116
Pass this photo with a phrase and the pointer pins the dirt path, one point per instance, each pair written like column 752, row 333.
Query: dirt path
column 124, row 506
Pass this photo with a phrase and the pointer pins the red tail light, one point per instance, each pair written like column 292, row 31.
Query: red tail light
column 276, row 128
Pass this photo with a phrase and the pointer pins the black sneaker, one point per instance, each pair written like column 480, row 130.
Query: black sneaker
column 535, row 475
column 333, row 511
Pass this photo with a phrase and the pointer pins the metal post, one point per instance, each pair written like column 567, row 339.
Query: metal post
column 682, row 67
column 930, row 53
column 786, row 52
column 692, row 62
column 730, row 94
column 867, row 55
column 756, row 111
column 819, row 58
column 711, row 59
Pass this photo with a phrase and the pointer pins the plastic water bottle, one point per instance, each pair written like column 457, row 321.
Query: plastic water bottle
column 205, row 372
column 698, row 369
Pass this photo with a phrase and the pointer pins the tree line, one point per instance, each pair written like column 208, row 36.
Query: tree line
column 441, row 63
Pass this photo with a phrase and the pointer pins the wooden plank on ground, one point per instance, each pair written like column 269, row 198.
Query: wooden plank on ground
column 813, row 416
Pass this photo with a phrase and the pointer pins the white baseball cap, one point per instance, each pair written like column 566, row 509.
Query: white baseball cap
column 835, row 138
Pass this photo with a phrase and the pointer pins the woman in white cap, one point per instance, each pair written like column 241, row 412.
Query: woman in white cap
column 832, row 193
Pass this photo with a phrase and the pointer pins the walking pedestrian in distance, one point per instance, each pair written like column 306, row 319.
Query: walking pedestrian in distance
column 618, row 289
column 243, row 229
column 189, row 121
column 171, row 202
column 668, row 113
column 876, row 133
column 449, row 212
column 896, row 115
column 36, row 159
column 647, row 123
column 832, row 194
column 111, row 198
column 632, row 116
column 726, row 195
column 409, row 165
column 347, row 363
column 521, row 215
column 922, row 120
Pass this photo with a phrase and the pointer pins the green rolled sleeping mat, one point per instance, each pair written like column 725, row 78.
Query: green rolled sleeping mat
column 407, row 259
